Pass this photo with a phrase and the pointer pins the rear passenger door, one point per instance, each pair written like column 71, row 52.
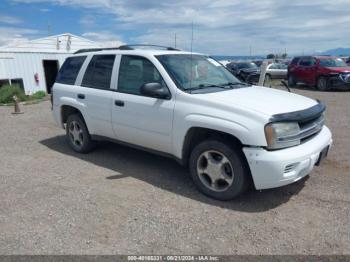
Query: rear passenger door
column 138, row 119
column 96, row 94
column 307, row 67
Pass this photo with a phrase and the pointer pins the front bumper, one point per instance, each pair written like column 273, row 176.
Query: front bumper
column 336, row 82
column 271, row 169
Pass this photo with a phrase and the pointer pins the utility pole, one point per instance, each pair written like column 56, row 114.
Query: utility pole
column 49, row 28
column 250, row 52
column 175, row 40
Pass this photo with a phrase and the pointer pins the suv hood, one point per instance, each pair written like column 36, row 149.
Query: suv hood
column 339, row 69
column 250, row 70
column 264, row 100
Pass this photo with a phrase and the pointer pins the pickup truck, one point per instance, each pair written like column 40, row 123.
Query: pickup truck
column 189, row 107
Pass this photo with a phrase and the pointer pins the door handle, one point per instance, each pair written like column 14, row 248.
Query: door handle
column 81, row 96
column 119, row 103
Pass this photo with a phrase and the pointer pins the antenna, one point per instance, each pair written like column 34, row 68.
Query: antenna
column 49, row 27
column 191, row 56
column 192, row 38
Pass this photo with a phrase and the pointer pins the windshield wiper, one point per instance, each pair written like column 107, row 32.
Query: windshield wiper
column 236, row 84
column 229, row 85
column 204, row 86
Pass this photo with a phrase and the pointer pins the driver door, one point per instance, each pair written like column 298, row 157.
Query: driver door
column 138, row 119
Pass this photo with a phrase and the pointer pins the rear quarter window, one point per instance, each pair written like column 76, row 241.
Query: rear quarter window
column 70, row 70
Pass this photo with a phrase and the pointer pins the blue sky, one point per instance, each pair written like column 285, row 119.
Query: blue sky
column 222, row 27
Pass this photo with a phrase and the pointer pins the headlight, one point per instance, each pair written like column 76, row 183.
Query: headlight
column 282, row 135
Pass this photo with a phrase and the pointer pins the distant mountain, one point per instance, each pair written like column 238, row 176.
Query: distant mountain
column 337, row 52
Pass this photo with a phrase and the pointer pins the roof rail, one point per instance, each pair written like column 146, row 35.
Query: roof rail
column 95, row 50
column 131, row 47
column 124, row 47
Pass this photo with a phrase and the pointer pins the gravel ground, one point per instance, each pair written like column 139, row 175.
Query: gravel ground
column 118, row 200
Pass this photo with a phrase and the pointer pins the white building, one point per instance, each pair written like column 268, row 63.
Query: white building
column 34, row 64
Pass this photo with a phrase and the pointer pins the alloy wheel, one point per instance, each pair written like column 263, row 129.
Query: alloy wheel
column 215, row 171
column 76, row 134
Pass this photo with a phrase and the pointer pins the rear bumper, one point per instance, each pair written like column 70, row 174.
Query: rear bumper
column 271, row 169
column 57, row 115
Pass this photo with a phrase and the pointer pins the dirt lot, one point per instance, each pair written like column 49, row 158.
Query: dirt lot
column 118, row 200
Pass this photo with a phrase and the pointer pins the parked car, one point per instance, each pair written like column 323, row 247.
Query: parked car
column 189, row 107
column 276, row 71
column 245, row 71
column 322, row 72
column 348, row 61
column 258, row 62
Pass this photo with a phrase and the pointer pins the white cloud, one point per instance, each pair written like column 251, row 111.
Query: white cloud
column 9, row 20
column 225, row 26
column 105, row 38
column 44, row 10
column 11, row 35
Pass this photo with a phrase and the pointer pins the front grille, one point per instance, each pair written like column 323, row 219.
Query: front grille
column 311, row 128
column 308, row 129
column 345, row 77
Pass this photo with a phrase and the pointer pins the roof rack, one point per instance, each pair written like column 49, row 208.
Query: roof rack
column 131, row 47
column 95, row 50
column 124, row 47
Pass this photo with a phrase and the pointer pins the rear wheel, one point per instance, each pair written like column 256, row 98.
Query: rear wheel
column 291, row 81
column 78, row 136
column 322, row 83
column 218, row 170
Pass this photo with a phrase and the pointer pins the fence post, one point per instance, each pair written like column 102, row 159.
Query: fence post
column 17, row 108
column 263, row 69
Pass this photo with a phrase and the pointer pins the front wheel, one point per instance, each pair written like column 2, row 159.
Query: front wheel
column 322, row 83
column 219, row 170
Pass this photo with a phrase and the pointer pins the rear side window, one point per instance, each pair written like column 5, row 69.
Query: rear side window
column 70, row 70
column 99, row 72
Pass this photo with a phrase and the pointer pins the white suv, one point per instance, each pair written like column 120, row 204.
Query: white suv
column 189, row 107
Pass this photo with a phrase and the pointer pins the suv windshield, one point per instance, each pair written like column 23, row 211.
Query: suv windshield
column 196, row 71
column 333, row 62
column 246, row 65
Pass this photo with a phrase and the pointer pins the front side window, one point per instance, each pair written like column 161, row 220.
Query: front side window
column 70, row 70
column 196, row 71
column 134, row 72
column 99, row 72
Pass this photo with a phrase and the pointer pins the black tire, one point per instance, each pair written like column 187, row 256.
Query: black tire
column 80, row 142
column 322, row 84
column 291, row 81
column 237, row 162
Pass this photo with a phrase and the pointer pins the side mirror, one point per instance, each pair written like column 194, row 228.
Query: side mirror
column 155, row 90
